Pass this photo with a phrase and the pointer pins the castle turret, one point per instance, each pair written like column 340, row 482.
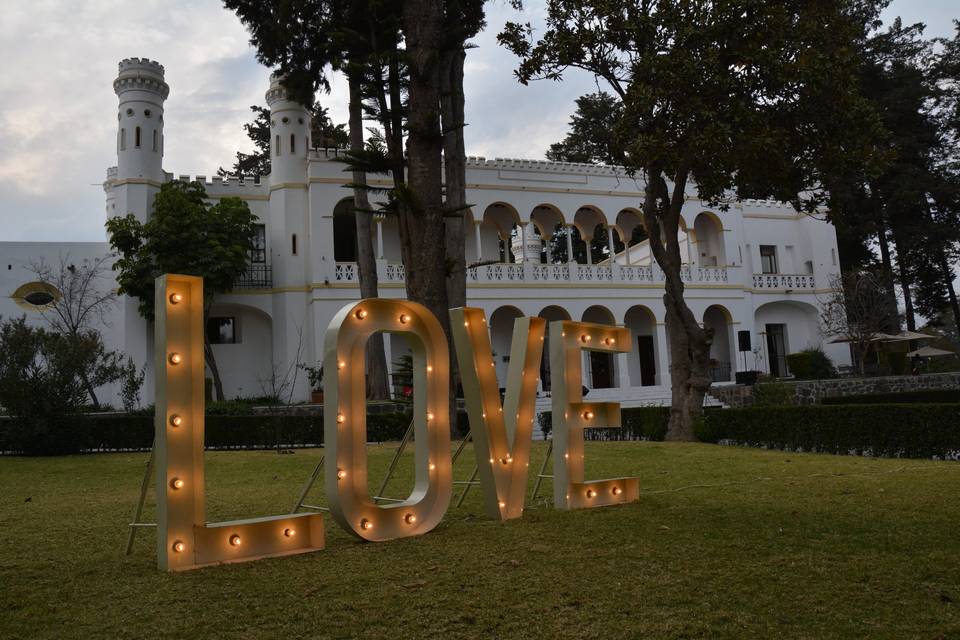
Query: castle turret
column 142, row 91
column 289, row 135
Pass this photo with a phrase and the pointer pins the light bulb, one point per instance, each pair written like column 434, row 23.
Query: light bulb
column 483, row 415
column 178, row 547
column 360, row 314
column 585, row 338
column 432, row 466
column 429, row 416
column 341, row 474
column 410, row 518
column 588, row 415
column 615, row 491
column 429, row 368
column 234, row 540
column 504, row 460
column 502, row 504
column 175, row 420
column 466, row 324
column 609, row 341
column 176, row 298
column 175, row 358
column 176, row 484
column 491, row 460
column 341, row 364
column 289, row 533
column 366, row 525
column 404, row 318
column 591, row 493
column 340, row 418
column 566, row 456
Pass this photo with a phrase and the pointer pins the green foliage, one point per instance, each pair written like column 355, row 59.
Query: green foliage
column 314, row 376
column 591, row 137
column 773, row 394
column 43, row 383
column 906, row 397
column 890, row 430
column 811, row 364
column 185, row 235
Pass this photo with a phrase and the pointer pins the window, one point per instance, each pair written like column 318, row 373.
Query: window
column 293, row 143
column 293, row 244
column 258, row 255
column 222, row 330
column 136, row 138
column 276, row 150
column 833, row 256
column 35, row 295
column 768, row 258
column 123, row 139
column 155, row 146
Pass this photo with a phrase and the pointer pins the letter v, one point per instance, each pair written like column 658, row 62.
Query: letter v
column 501, row 434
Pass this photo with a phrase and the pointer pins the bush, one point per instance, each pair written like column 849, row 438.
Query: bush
column 638, row 423
column 124, row 432
column 811, row 364
column 773, row 394
column 905, row 397
column 909, row 431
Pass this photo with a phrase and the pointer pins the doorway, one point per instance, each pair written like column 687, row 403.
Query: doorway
column 648, row 362
column 777, row 349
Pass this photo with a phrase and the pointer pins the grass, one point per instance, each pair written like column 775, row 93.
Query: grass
column 724, row 543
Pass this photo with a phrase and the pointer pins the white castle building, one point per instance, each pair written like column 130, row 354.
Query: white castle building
column 756, row 269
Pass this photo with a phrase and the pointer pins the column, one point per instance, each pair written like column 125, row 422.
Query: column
column 662, row 355
column 379, row 220
column 570, row 244
column 623, row 369
column 613, row 255
column 476, row 228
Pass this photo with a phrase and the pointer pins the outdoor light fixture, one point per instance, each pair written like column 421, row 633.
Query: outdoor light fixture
column 570, row 415
column 500, row 436
column 289, row 533
column 178, row 450
column 341, row 474
column 351, row 505
column 410, row 518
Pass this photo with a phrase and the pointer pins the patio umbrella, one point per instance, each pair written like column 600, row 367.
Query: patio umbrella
column 879, row 337
column 929, row 352
column 912, row 335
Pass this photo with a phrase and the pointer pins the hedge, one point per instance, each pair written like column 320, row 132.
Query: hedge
column 123, row 432
column 890, row 430
column 637, row 423
column 904, row 397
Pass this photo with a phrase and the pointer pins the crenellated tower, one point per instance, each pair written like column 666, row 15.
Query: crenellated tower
column 289, row 135
column 141, row 90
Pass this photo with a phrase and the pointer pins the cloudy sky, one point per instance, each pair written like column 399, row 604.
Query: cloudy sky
column 57, row 120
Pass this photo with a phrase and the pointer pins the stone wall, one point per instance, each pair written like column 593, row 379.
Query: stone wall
column 812, row 391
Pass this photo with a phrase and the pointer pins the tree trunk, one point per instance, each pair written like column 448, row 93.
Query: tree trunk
column 893, row 324
column 90, row 390
column 688, row 342
column 421, row 218
column 904, row 277
column 377, row 387
column 951, row 292
column 212, row 365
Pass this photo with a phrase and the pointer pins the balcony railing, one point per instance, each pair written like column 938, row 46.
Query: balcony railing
column 257, row 276
column 507, row 273
column 783, row 281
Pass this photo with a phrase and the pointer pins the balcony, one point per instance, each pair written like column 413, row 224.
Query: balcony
column 257, row 276
column 527, row 273
column 783, row 282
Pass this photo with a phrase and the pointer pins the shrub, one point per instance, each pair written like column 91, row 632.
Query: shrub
column 910, row 431
column 773, row 394
column 905, row 397
column 638, row 423
column 811, row 364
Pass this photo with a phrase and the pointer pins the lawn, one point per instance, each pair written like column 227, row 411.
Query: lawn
column 724, row 543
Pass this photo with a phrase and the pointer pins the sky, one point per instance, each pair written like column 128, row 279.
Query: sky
column 58, row 113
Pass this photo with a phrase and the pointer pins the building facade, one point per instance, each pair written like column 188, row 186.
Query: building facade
column 558, row 240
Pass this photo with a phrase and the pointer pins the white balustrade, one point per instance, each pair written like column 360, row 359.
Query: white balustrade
column 782, row 281
column 346, row 272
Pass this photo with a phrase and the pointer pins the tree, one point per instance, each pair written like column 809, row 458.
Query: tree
column 188, row 235
column 323, row 134
column 856, row 311
column 591, row 137
column 83, row 301
column 752, row 99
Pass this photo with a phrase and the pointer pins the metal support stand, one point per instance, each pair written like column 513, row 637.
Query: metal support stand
column 136, row 523
column 540, row 474
column 306, row 489
column 407, row 436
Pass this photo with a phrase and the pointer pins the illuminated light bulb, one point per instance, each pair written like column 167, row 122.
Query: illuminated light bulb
column 502, row 504
column 176, row 484
column 585, row 337
column 175, row 420
column 341, row 418
column 500, row 409
column 175, row 358
column 591, row 493
column 429, row 368
column 563, row 334
column 360, row 314
column 341, row 364
column 609, row 341
column 178, row 547
column 289, row 533
column 483, row 415
column 410, row 518
column 566, row 456
column 491, row 460
column 234, row 540
column 588, row 415
column 429, row 416
column 504, row 460
column 615, row 491
column 366, row 525
column 493, row 364
column 341, row 474
column 432, row 466
column 404, row 318
column 483, row 320
column 466, row 324
column 176, row 298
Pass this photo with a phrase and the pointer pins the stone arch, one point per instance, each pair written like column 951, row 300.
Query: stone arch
column 241, row 337
column 501, row 334
column 496, row 229
column 708, row 240
column 344, row 231
column 644, row 362
column 723, row 358
column 784, row 327
column 550, row 313
column 600, row 369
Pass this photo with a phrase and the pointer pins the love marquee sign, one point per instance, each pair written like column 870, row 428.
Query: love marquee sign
column 502, row 432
